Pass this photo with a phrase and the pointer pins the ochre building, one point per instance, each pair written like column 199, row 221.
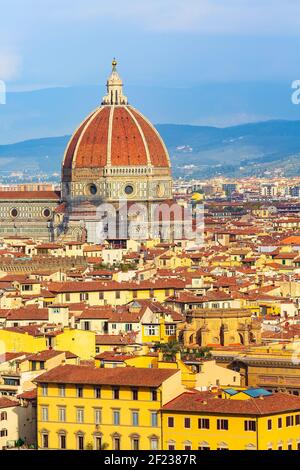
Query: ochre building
column 219, row 327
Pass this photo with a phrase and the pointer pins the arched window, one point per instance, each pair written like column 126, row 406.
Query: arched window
column 45, row 440
column 80, row 440
column 116, row 441
column 222, row 446
column 135, row 442
column 187, row 445
column 62, row 440
column 171, row 445
column 250, row 447
column 154, row 440
column 98, row 444
column 203, row 446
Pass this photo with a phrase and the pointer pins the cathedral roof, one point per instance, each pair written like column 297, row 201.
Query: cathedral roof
column 115, row 135
column 29, row 195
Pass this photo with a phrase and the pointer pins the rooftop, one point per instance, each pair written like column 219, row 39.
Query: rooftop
column 71, row 374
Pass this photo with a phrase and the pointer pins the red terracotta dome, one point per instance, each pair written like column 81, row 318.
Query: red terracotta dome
column 113, row 136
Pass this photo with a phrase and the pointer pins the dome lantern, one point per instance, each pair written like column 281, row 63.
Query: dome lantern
column 114, row 88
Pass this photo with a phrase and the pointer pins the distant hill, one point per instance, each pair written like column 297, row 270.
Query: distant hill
column 196, row 151
column 57, row 111
column 249, row 149
column 38, row 155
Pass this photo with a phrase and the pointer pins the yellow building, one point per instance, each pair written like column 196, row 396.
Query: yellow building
column 80, row 407
column 275, row 367
column 33, row 339
column 18, row 340
column 207, row 421
column 28, row 287
column 79, row 342
column 17, row 422
column 18, row 370
column 212, row 327
column 200, row 374
column 117, row 343
column 96, row 293
column 172, row 260
column 149, row 321
column 126, row 408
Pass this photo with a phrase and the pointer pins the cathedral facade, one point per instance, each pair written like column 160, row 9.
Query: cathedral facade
column 114, row 156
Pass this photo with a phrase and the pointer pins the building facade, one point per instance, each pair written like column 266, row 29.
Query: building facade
column 221, row 327
column 28, row 214
column 82, row 408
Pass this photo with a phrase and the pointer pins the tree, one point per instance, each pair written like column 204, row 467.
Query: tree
column 104, row 446
column 203, row 353
column 89, row 446
column 199, row 353
column 20, row 443
column 169, row 349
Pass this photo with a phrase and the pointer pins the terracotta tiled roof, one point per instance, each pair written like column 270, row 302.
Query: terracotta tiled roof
column 10, row 356
column 186, row 297
column 127, row 143
column 23, row 195
column 96, row 313
column 44, row 355
column 32, row 330
column 155, row 146
column 92, row 249
column 28, row 313
column 29, row 394
column 95, row 286
column 132, row 376
column 133, row 140
column 48, row 246
column 7, row 403
column 115, row 340
column 198, row 402
column 74, row 141
column 13, row 277
column 293, row 240
column 286, row 256
column 70, row 355
column 113, row 357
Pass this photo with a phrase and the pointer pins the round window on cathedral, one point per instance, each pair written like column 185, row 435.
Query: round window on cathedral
column 92, row 189
column 14, row 213
column 46, row 213
column 129, row 189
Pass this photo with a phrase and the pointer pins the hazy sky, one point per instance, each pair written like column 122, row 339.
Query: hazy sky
column 157, row 42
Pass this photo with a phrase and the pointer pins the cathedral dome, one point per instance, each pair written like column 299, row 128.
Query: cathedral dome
column 116, row 153
column 115, row 135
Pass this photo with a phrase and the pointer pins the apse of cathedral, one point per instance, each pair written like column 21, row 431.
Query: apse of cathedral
column 115, row 157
